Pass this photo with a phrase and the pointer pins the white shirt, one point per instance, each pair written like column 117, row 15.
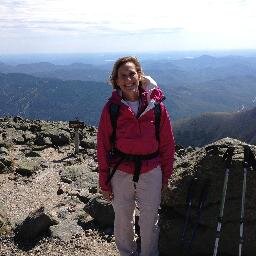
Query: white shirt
column 134, row 105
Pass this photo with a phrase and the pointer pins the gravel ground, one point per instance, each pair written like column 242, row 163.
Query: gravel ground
column 21, row 195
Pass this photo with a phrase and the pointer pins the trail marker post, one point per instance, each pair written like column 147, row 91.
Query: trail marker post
column 76, row 125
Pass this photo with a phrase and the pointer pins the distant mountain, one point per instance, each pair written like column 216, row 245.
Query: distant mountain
column 210, row 127
column 186, row 72
column 192, row 86
column 51, row 99
column 75, row 71
column 55, row 99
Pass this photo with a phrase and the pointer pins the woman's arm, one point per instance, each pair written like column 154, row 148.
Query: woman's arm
column 104, row 147
column 166, row 145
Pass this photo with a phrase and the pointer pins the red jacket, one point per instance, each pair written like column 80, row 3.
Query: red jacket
column 136, row 135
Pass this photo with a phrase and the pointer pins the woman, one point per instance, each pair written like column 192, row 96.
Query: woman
column 135, row 157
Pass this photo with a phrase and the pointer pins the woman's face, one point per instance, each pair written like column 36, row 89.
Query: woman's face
column 128, row 80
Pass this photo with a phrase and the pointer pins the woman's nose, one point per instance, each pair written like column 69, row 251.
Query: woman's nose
column 128, row 79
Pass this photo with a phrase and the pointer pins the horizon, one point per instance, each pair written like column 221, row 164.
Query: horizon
column 99, row 57
column 54, row 26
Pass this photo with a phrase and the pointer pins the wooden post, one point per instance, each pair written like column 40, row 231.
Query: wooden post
column 76, row 125
column 77, row 142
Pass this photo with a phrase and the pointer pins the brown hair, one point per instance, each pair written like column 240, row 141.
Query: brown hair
column 119, row 63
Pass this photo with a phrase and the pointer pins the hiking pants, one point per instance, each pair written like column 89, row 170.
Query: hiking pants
column 146, row 194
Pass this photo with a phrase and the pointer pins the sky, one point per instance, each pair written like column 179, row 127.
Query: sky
column 76, row 26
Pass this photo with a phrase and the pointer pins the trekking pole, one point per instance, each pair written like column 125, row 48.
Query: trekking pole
column 201, row 203
column 227, row 158
column 249, row 161
column 190, row 194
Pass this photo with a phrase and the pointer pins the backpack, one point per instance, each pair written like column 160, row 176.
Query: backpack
column 114, row 113
column 137, row 159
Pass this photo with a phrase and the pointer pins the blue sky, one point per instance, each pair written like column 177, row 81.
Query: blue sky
column 65, row 26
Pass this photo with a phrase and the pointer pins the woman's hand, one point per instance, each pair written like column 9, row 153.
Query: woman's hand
column 107, row 195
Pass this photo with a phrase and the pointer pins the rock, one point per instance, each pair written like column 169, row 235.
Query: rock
column 84, row 196
column 6, row 164
column 26, row 167
column 42, row 140
column 207, row 163
column 59, row 137
column 35, row 128
column 3, row 151
column 88, row 143
column 65, row 230
column 189, row 149
column 36, row 224
column 32, row 153
column 17, row 119
column 5, row 144
column 91, row 152
column 19, row 140
column 101, row 211
column 80, row 176
column 29, row 137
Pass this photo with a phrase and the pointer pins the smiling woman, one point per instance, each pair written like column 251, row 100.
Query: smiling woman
column 135, row 149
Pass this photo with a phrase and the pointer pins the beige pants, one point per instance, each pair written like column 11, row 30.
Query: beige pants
column 147, row 195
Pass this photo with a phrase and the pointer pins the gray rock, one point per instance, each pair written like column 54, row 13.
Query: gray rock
column 42, row 140
column 80, row 176
column 59, row 137
column 32, row 153
column 84, row 196
column 89, row 143
column 29, row 137
column 65, row 230
column 36, row 224
column 101, row 211
column 3, row 151
column 19, row 139
column 6, row 164
column 26, row 167
column 207, row 163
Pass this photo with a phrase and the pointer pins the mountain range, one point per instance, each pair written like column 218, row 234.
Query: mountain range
column 192, row 86
column 51, row 99
column 210, row 127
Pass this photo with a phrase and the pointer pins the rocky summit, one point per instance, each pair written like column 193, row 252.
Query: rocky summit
column 50, row 205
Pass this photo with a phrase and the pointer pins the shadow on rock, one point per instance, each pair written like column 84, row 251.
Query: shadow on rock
column 33, row 229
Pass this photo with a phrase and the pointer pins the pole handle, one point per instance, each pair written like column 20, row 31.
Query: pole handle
column 227, row 157
column 249, row 158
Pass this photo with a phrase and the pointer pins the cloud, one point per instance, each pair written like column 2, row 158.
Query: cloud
column 196, row 23
column 11, row 4
column 161, row 30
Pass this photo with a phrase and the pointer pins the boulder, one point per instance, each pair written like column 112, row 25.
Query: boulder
column 3, row 151
column 6, row 164
column 58, row 136
column 65, row 230
column 27, row 167
column 41, row 140
column 101, row 211
column 81, row 176
column 88, row 143
column 207, row 165
column 36, row 224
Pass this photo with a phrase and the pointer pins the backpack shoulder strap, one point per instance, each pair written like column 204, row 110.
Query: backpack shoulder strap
column 157, row 111
column 114, row 112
